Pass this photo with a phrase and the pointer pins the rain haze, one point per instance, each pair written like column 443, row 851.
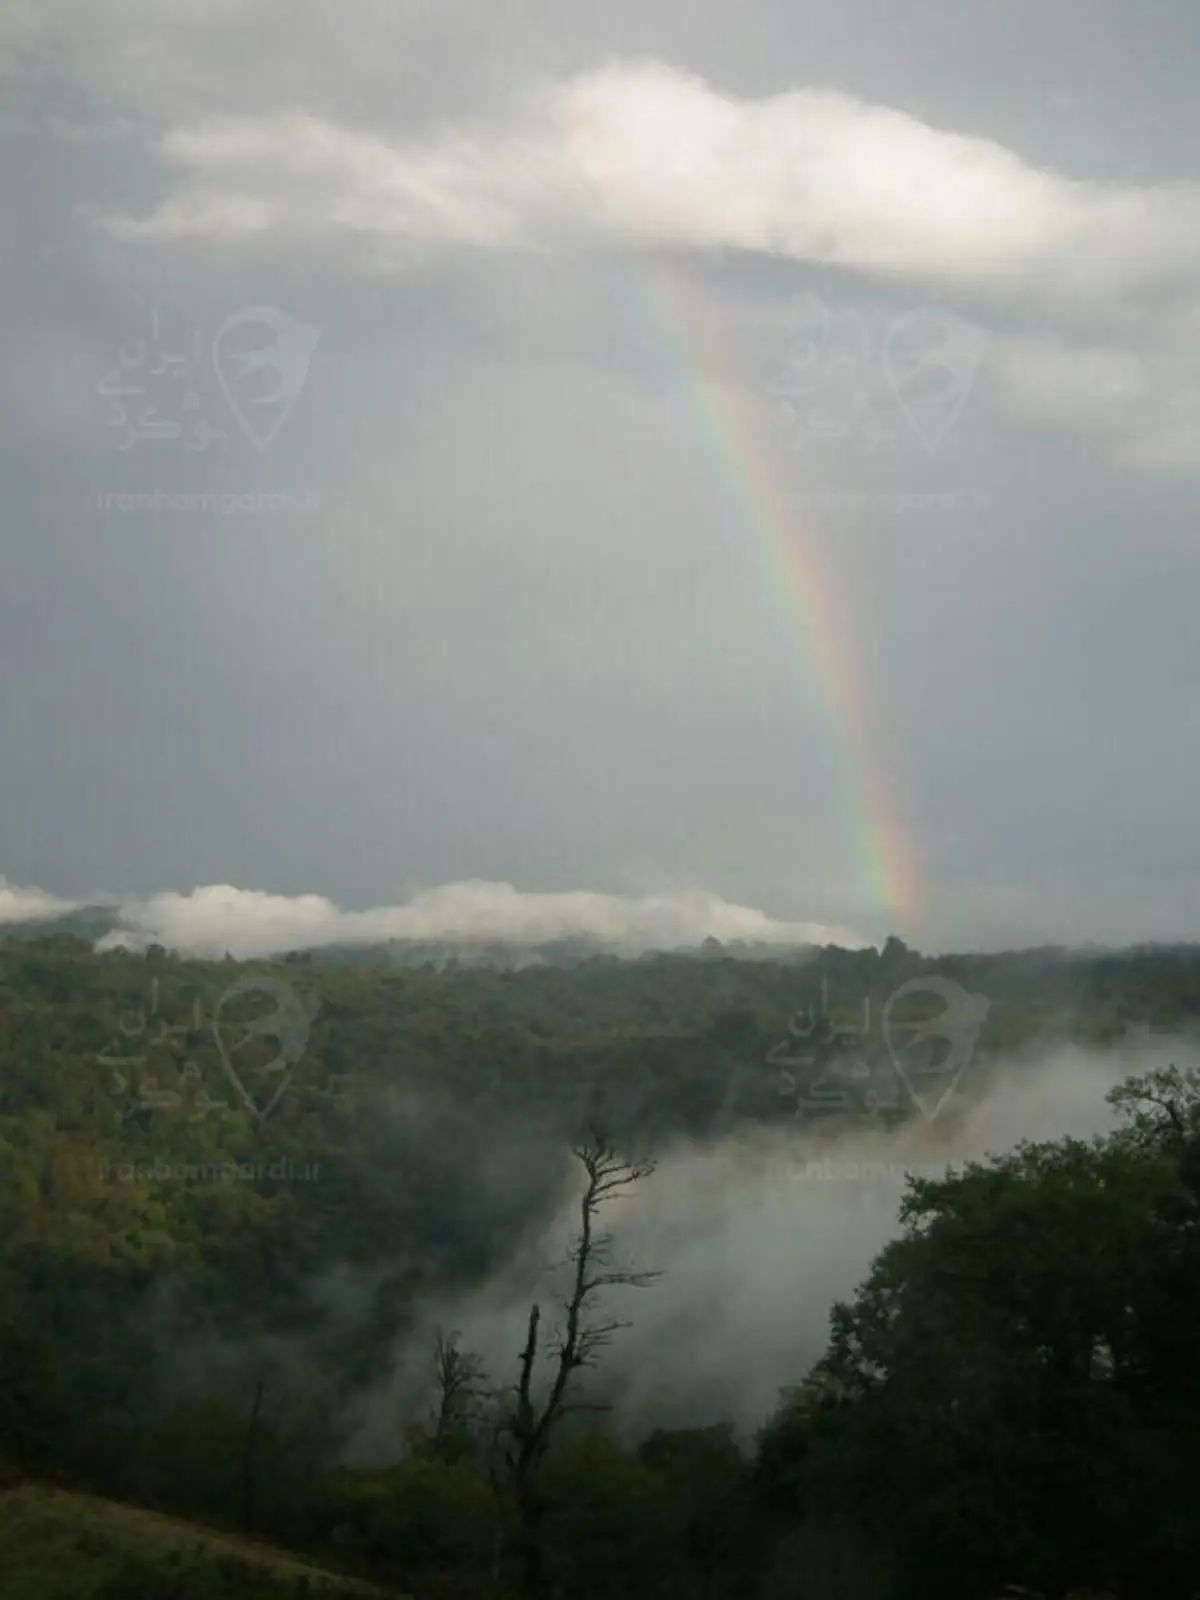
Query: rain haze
column 759, row 1234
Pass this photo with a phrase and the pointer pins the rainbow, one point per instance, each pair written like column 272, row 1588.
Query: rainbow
column 728, row 420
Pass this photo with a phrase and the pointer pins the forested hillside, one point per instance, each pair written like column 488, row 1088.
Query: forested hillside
column 225, row 1188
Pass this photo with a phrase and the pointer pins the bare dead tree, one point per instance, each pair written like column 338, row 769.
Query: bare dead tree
column 460, row 1379
column 530, row 1423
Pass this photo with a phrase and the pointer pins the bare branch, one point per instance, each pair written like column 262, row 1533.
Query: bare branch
column 576, row 1345
column 460, row 1379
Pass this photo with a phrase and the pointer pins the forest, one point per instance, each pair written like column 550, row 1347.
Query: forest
column 242, row 1206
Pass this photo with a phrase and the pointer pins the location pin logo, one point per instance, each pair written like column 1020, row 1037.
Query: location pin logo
column 261, row 357
column 288, row 1026
column 930, row 360
column 931, row 1083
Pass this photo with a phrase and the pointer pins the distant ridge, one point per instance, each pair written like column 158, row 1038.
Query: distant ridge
column 83, row 922
column 516, row 955
column 95, row 922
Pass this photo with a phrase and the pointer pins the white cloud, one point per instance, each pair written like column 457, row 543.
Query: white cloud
column 1145, row 401
column 649, row 157
column 298, row 176
column 249, row 923
column 27, row 905
column 656, row 156
column 1090, row 386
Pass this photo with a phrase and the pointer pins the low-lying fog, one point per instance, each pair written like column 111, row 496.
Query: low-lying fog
column 756, row 1238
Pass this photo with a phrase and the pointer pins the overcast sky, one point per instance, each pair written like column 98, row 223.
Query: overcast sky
column 484, row 606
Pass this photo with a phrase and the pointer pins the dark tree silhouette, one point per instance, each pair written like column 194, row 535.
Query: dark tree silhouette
column 529, row 1423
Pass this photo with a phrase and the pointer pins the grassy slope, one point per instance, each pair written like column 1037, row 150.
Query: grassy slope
column 56, row 1545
